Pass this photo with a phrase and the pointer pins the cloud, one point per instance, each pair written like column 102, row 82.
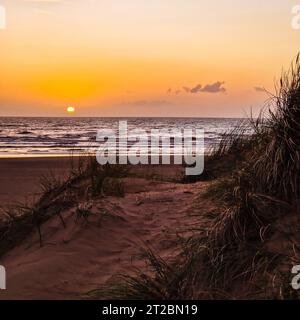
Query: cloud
column 170, row 91
column 196, row 89
column 259, row 89
column 215, row 87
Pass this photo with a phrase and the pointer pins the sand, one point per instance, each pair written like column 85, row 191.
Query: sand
column 87, row 253
column 20, row 177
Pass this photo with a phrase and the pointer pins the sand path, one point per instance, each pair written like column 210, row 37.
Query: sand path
column 76, row 259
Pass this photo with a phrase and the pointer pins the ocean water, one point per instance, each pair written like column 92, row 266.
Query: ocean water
column 64, row 136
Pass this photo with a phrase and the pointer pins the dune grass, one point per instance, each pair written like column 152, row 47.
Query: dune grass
column 262, row 187
column 58, row 195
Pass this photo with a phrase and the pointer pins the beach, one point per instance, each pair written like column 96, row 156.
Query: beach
column 20, row 177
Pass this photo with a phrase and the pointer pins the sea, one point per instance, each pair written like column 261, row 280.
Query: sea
column 40, row 137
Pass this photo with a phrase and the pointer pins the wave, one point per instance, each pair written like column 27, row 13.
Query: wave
column 53, row 135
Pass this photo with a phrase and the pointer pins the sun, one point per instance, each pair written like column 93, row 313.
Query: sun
column 70, row 109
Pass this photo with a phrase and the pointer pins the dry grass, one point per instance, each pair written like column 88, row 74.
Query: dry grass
column 142, row 285
column 263, row 187
column 57, row 196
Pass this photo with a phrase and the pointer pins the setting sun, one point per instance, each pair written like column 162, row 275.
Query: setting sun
column 70, row 109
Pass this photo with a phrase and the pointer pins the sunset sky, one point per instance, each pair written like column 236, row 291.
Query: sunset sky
column 143, row 57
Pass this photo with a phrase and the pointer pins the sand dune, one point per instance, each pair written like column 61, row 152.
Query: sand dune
column 85, row 254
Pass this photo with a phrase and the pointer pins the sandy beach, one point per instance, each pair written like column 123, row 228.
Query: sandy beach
column 20, row 177
column 85, row 254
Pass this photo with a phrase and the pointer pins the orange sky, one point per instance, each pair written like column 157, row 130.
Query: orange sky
column 133, row 57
